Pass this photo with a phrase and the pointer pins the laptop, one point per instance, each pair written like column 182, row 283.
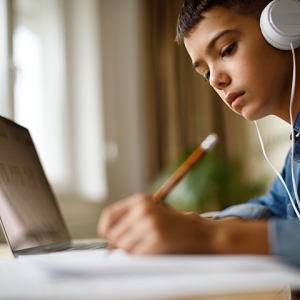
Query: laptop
column 30, row 217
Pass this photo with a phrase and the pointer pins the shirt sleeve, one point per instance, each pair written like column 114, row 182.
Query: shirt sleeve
column 246, row 211
column 276, row 199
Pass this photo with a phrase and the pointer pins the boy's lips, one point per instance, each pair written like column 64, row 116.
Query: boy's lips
column 232, row 98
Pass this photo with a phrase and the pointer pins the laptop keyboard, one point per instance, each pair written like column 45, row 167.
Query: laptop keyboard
column 92, row 246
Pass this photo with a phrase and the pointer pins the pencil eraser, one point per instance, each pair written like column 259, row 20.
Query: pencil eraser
column 209, row 142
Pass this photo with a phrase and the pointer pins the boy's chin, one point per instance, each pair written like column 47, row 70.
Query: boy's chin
column 251, row 115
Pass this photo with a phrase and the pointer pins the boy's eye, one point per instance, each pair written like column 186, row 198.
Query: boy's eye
column 228, row 50
column 207, row 76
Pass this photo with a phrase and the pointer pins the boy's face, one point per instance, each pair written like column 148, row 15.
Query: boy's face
column 252, row 77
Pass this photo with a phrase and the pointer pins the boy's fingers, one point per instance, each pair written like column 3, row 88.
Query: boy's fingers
column 113, row 213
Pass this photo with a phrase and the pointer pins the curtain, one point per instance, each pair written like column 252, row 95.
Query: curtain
column 182, row 108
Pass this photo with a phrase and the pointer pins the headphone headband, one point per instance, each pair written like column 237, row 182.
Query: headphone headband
column 280, row 23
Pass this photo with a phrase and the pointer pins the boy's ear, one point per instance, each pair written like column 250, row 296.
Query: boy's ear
column 280, row 23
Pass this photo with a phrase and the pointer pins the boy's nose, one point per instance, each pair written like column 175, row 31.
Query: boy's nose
column 219, row 80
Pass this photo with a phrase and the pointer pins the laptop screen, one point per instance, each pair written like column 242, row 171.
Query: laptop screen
column 28, row 209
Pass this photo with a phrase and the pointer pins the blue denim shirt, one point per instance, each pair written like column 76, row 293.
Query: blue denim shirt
column 276, row 207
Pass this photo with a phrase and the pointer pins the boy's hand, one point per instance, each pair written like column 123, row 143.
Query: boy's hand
column 138, row 226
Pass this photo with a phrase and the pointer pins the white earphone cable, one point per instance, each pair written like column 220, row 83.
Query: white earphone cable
column 293, row 143
column 275, row 170
column 292, row 122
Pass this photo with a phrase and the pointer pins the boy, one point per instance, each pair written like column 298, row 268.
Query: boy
column 224, row 41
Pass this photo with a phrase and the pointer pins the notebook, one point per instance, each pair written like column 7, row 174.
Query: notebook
column 30, row 217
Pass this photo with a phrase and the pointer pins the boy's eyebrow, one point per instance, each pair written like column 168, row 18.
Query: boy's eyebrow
column 211, row 45
column 214, row 40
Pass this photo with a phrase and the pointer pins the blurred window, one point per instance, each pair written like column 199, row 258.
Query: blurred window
column 58, row 93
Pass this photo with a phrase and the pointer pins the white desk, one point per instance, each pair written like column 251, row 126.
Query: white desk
column 20, row 272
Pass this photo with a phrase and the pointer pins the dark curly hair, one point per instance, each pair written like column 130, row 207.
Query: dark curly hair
column 192, row 12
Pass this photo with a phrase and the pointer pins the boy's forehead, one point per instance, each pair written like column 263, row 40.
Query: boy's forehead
column 214, row 21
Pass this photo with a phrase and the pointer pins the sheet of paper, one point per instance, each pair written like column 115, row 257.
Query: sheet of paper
column 119, row 263
column 99, row 275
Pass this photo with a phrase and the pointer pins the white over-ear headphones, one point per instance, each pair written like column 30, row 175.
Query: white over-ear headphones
column 280, row 23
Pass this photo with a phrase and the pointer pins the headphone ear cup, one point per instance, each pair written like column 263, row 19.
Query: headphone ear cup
column 280, row 23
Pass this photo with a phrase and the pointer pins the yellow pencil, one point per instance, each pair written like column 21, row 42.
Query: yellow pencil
column 198, row 154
